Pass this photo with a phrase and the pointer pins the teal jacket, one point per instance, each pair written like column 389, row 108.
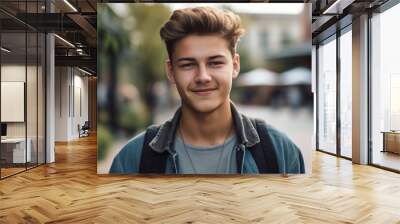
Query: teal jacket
column 289, row 157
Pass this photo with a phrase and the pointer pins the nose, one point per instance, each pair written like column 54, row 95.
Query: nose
column 203, row 75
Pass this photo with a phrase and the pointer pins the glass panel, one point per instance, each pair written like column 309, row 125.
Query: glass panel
column 346, row 94
column 31, row 98
column 13, row 87
column 41, row 99
column 385, row 86
column 31, row 86
column 327, row 97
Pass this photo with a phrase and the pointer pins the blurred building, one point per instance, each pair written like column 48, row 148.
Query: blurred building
column 278, row 42
column 269, row 34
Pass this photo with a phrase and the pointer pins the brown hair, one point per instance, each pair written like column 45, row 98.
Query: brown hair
column 201, row 21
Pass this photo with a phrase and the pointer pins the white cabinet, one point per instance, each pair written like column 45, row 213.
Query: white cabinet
column 19, row 154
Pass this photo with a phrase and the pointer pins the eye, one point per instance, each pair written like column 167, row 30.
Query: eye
column 186, row 66
column 215, row 63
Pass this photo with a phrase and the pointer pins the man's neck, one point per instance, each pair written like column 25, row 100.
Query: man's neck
column 206, row 129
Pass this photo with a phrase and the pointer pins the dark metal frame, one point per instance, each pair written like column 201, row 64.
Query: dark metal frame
column 338, row 98
column 369, row 83
column 316, row 97
column 45, row 90
column 0, row 93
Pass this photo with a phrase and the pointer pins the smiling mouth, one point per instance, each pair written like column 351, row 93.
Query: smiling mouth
column 203, row 92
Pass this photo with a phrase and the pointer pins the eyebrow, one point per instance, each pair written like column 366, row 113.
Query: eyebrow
column 193, row 59
column 185, row 59
column 216, row 57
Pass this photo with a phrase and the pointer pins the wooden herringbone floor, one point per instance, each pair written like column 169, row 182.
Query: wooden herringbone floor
column 70, row 191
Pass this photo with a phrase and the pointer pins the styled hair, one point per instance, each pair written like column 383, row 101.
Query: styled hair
column 201, row 21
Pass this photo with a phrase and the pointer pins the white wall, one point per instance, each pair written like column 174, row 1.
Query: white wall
column 61, row 103
column 71, row 94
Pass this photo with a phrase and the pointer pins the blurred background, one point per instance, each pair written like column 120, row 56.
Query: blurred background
column 133, row 92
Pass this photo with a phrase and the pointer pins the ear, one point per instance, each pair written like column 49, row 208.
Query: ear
column 236, row 66
column 170, row 71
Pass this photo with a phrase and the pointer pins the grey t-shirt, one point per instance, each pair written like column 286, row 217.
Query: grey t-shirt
column 218, row 159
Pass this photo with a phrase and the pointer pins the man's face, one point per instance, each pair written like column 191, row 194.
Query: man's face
column 203, row 68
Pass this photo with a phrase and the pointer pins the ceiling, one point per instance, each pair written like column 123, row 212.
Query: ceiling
column 74, row 22
column 330, row 15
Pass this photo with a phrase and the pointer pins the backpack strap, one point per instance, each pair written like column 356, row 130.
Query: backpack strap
column 152, row 161
column 264, row 153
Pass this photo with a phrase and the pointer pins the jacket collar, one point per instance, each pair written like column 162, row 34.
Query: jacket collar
column 245, row 131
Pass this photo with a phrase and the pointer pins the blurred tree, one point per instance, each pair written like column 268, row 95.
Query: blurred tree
column 105, row 140
column 149, row 62
column 114, row 40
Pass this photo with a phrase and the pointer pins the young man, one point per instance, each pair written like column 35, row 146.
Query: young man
column 207, row 135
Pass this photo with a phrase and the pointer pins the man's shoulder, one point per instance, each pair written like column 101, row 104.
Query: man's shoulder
column 134, row 145
column 274, row 133
column 277, row 134
column 288, row 154
column 280, row 139
column 128, row 158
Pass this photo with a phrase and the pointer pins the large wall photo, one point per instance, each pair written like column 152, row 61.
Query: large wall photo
column 179, row 86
